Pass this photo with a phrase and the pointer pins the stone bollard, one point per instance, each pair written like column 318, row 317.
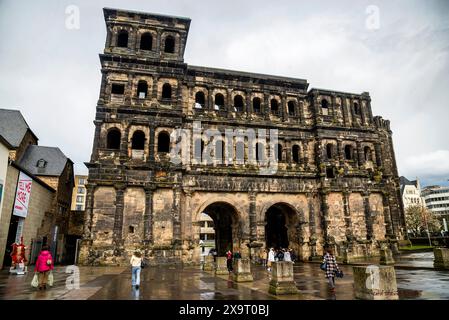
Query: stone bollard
column 386, row 257
column 209, row 264
column 220, row 266
column 375, row 282
column 242, row 270
column 441, row 258
column 282, row 278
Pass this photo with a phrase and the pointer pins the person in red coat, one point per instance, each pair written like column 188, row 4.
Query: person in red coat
column 44, row 264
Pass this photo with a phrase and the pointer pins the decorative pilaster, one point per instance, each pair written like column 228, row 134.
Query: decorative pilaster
column 89, row 213
column 148, row 216
column 347, row 214
column 368, row 216
column 97, row 141
column 387, row 216
column 176, row 214
column 118, row 218
column 252, row 216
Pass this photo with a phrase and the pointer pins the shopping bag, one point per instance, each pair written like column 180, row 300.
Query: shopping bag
column 50, row 279
column 35, row 281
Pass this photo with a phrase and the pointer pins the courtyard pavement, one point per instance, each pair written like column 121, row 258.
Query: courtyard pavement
column 191, row 283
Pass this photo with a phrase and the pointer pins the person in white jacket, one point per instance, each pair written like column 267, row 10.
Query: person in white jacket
column 136, row 266
column 287, row 256
column 270, row 258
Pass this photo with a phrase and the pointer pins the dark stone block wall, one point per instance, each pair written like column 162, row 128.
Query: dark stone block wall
column 336, row 180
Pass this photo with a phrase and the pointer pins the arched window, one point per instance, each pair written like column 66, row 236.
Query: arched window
column 219, row 150
column 166, row 91
column 325, row 107
column 219, row 101
column 142, row 89
column 169, row 44
column 138, row 140
column 330, row 173
column 163, row 142
column 113, row 139
column 122, row 39
column 274, row 105
column 238, row 103
column 200, row 100
column 329, row 150
column 146, row 41
column 349, row 152
column 291, row 108
column 367, row 152
column 240, row 151
column 256, row 104
column 295, row 153
column 356, row 109
column 260, row 151
column 279, row 152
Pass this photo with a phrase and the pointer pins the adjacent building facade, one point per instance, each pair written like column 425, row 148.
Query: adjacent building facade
column 79, row 193
column 320, row 169
column 411, row 192
column 437, row 200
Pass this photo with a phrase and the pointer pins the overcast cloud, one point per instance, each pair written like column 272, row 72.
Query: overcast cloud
column 52, row 74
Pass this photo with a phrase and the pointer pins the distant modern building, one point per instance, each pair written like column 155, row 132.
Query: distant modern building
column 437, row 200
column 207, row 233
column 411, row 192
column 79, row 193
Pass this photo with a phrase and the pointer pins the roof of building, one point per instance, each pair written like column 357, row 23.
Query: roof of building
column 108, row 11
column 5, row 142
column 55, row 160
column 403, row 181
column 13, row 126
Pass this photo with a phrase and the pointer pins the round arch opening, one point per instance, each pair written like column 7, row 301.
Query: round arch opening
column 280, row 222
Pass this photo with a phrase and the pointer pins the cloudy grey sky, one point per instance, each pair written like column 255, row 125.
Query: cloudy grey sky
column 52, row 73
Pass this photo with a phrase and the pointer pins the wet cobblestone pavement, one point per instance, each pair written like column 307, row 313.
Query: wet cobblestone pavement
column 191, row 283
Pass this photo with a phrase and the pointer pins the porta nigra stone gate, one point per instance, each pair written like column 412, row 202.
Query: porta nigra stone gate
column 335, row 182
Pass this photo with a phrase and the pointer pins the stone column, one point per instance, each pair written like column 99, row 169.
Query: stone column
column 378, row 149
column 98, row 141
column 124, row 144
column 266, row 106
column 148, row 216
column 360, row 155
column 89, row 213
column 283, row 106
column 155, row 86
column 209, row 99
column 229, row 103
column 248, row 102
column 368, row 217
column 176, row 214
column 312, row 225
column 347, row 213
column 282, row 278
column 252, row 216
column 375, row 283
column 118, row 218
column 151, row 151
column 305, row 154
column 387, row 216
column 340, row 156
column 302, row 119
column 324, row 214
column 344, row 107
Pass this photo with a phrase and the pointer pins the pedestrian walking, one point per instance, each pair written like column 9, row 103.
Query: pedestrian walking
column 263, row 257
column 229, row 260
column 271, row 254
column 331, row 268
column 136, row 267
column 44, row 266
column 292, row 255
column 287, row 256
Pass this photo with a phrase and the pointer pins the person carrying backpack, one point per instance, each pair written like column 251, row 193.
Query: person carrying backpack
column 331, row 269
column 229, row 260
column 44, row 265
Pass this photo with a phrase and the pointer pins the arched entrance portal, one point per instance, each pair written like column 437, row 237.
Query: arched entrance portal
column 280, row 225
column 225, row 224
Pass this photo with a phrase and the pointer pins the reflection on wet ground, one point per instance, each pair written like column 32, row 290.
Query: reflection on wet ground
column 191, row 283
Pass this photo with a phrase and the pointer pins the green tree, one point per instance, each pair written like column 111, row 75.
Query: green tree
column 419, row 218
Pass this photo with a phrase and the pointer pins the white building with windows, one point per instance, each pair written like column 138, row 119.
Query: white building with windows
column 411, row 192
column 79, row 193
column 437, row 200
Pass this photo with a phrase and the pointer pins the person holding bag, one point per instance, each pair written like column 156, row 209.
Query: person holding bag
column 44, row 266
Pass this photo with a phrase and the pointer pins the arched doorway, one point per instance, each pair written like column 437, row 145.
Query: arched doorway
column 225, row 223
column 280, row 227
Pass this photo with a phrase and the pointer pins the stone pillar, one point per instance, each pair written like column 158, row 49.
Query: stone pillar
column 176, row 215
column 98, row 141
column 118, row 218
column 155, row 86
column 252, row 217
column 375, row 283
column 368, row 217
column 283, row 106
column 312, row 224
column 344, row 107
column 124, row 144
column 387, row 216
column 305, row 154
column 152, row 150
column 324, row 214
column 89, row 213
column 340, row 156
column 282, row 278
column 220, row 266
column 386, row 256
column 301, row 112
column 242, row 270
column 360, row 155
column 347, row 214
column 209, row 264
column 148, row 216
column 441, row 258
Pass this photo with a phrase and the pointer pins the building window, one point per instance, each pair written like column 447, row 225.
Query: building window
column 256, row 105
column 260, row 152
column 131, row 229
column 219, row 149
column 41, row 163
column 81, row 190
column 349, row 152
column 81, row 181
column 238, row 103
column 117, row 88
column 240, row 151
column 113, row 139
column 291, row 108
column 138, row 140
column 219, row 101
column 142, row 89
column 295, row 153
column 146, row 41
column 367, row 152
column 169, row 44
column 325, row 107
column 200, row 100
column 279, row 152
column 166, row 91
column 163, row 142
column 79, row 207
column 356, row 108
column 330, row 151
column 330, row 173
column 122, row 39
column 79, row 199
column 274, row 105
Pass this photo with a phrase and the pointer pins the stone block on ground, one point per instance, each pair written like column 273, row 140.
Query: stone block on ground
column 375, row 282
column 220, row 266
column 282, row 278
column 242, row 270
column 386, row 256
column 209, row 264
column 441, row 258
